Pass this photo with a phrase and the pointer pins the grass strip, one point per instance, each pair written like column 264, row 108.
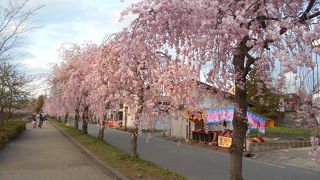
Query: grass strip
column 11, row 130
column 134, row 168
column 286, row 130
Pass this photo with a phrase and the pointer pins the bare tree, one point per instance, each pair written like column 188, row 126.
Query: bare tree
column 14, row 16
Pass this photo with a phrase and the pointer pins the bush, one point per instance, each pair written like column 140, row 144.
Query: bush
column 3, row 139
column 11, row 130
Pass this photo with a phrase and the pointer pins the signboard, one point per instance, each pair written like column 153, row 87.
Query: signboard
column 196, row 115
column 224, row 141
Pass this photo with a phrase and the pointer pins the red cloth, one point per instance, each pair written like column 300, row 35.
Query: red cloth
column 111, row 123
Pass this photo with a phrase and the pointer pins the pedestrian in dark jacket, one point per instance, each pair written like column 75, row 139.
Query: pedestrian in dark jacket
column 41, row 120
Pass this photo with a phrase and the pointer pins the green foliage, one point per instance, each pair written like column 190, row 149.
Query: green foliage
column 287, row 131
column 13, row 91
column 271, row 100
column 37, row 104
column 11, row 130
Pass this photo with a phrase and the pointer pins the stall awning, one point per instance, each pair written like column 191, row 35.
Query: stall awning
column 220, row 115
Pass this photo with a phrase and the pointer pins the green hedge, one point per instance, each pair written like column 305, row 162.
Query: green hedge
column 11, row 130
column 286, row 131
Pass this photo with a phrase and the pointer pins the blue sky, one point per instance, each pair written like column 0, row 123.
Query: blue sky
column 71, row 21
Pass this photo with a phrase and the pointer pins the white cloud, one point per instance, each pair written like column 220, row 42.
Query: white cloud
column 39, row 86
column 68, row 21
column 73, row 21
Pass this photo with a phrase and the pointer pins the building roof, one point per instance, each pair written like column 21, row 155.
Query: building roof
column 229, row 93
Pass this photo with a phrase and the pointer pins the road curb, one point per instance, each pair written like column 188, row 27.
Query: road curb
column 116, row 174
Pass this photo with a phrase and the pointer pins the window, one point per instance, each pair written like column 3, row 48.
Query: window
column 120, row 116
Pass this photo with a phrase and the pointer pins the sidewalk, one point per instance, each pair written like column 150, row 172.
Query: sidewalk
column 297, row 157
column 46, row 154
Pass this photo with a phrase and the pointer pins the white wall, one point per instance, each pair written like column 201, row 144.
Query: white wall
column 159, row 122
column 179, row 125
column 211, row 101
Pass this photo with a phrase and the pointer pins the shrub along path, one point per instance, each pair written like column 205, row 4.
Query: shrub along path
column 46, row 154
column 11, row 130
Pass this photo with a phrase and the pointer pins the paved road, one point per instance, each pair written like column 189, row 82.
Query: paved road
column 198, row 163
column 45, row 154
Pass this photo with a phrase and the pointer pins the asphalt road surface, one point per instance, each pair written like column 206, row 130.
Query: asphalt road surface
column 198, row 163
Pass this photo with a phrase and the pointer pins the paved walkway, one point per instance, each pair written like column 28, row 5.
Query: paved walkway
column 46, row 154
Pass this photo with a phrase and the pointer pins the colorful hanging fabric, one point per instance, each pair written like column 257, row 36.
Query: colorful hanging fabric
column 212, row 116
column 250, row 119
column 223, row 115
column 216, row 115
column 262, row 125
column 229, row 113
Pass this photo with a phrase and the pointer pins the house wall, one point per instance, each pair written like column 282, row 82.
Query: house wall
column 162, row 121
column 289, row 119
column 179, row 125
column 211, row 101
column 130, row 117
column 159, row 122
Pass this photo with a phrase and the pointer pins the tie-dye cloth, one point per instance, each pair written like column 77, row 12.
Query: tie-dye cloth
column 220, row 115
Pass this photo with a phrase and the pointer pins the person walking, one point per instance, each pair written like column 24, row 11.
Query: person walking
column 41, row 119
column 34, row 123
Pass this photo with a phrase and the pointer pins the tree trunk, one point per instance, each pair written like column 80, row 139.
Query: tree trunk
column 240, row 125
column 101, row 132
column 1, row 119
column 134, row 132
column 9, row 113
column 134, row 139
column 76, row 119
column 125, row 118
column 85, row 118
column 66, row 118
column 10, row 104
column 102, row 127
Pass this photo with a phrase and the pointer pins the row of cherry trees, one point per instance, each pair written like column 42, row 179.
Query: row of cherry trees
column 166, row 49
column 233, row 36
column 95, row 79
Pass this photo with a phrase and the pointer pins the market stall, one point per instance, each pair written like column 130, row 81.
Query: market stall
column 198, row 116
column 215, row 125
column 225, row 117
